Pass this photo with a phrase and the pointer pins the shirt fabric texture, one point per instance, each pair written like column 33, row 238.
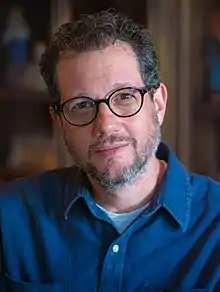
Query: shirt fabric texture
column 55, row 238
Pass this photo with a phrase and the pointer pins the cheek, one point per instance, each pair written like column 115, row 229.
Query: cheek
column 78, row 139
column 140, row 124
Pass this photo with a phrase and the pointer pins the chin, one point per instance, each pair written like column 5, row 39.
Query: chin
column 112, row 165
column 115, row 172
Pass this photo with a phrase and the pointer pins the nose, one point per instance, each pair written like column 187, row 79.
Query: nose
column 106, row 121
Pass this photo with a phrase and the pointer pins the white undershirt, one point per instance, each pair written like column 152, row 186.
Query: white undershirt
column 122, row 221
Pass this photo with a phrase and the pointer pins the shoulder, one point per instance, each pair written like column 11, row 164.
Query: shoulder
column 35, row 188
column 206, row 191
column 33, row 182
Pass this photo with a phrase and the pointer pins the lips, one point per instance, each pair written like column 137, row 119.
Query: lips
column 110, row 147
column 110, row 150
column 104, row 148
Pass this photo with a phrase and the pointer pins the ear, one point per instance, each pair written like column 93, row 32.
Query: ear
column 55, row 116
column 160, row 102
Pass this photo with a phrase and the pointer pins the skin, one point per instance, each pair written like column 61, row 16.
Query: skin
column 96, row 74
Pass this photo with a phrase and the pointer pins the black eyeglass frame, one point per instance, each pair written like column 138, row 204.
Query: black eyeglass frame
column 58, row 108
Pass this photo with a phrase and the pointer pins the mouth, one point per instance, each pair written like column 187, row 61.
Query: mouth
column 111, row 150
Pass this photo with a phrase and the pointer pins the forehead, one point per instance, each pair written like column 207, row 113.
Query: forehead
column 97, row 72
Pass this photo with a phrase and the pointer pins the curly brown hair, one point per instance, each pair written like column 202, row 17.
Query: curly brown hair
column 97, row 31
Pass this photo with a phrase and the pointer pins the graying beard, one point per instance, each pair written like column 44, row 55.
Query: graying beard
column 140, row 164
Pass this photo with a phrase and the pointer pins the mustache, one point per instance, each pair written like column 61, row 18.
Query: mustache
column 103, row 140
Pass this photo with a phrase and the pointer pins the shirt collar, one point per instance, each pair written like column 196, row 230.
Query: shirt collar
column 175, row 193
column 77, row 186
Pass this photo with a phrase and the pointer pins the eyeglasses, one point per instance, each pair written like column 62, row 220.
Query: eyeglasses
column 81, row 111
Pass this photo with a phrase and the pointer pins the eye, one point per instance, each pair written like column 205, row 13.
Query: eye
column 80, row 105
column 125, row 96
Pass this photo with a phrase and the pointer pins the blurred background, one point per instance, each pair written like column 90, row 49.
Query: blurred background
column 187, row 38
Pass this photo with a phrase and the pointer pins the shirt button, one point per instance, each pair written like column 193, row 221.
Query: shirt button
column 115, row 248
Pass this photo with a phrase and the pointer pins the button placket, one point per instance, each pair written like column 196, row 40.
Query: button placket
column 115, row 248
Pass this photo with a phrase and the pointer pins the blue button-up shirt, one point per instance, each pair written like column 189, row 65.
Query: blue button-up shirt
column 55, row 238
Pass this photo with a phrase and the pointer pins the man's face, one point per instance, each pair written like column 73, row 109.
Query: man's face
column 112, row 149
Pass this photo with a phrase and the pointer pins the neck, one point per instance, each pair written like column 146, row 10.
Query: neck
column 133, row 196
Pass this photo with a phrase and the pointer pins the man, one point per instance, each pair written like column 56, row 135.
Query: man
column 129, row 217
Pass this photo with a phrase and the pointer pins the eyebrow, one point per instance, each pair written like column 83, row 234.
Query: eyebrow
column 115, row 86
column 119, row 85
